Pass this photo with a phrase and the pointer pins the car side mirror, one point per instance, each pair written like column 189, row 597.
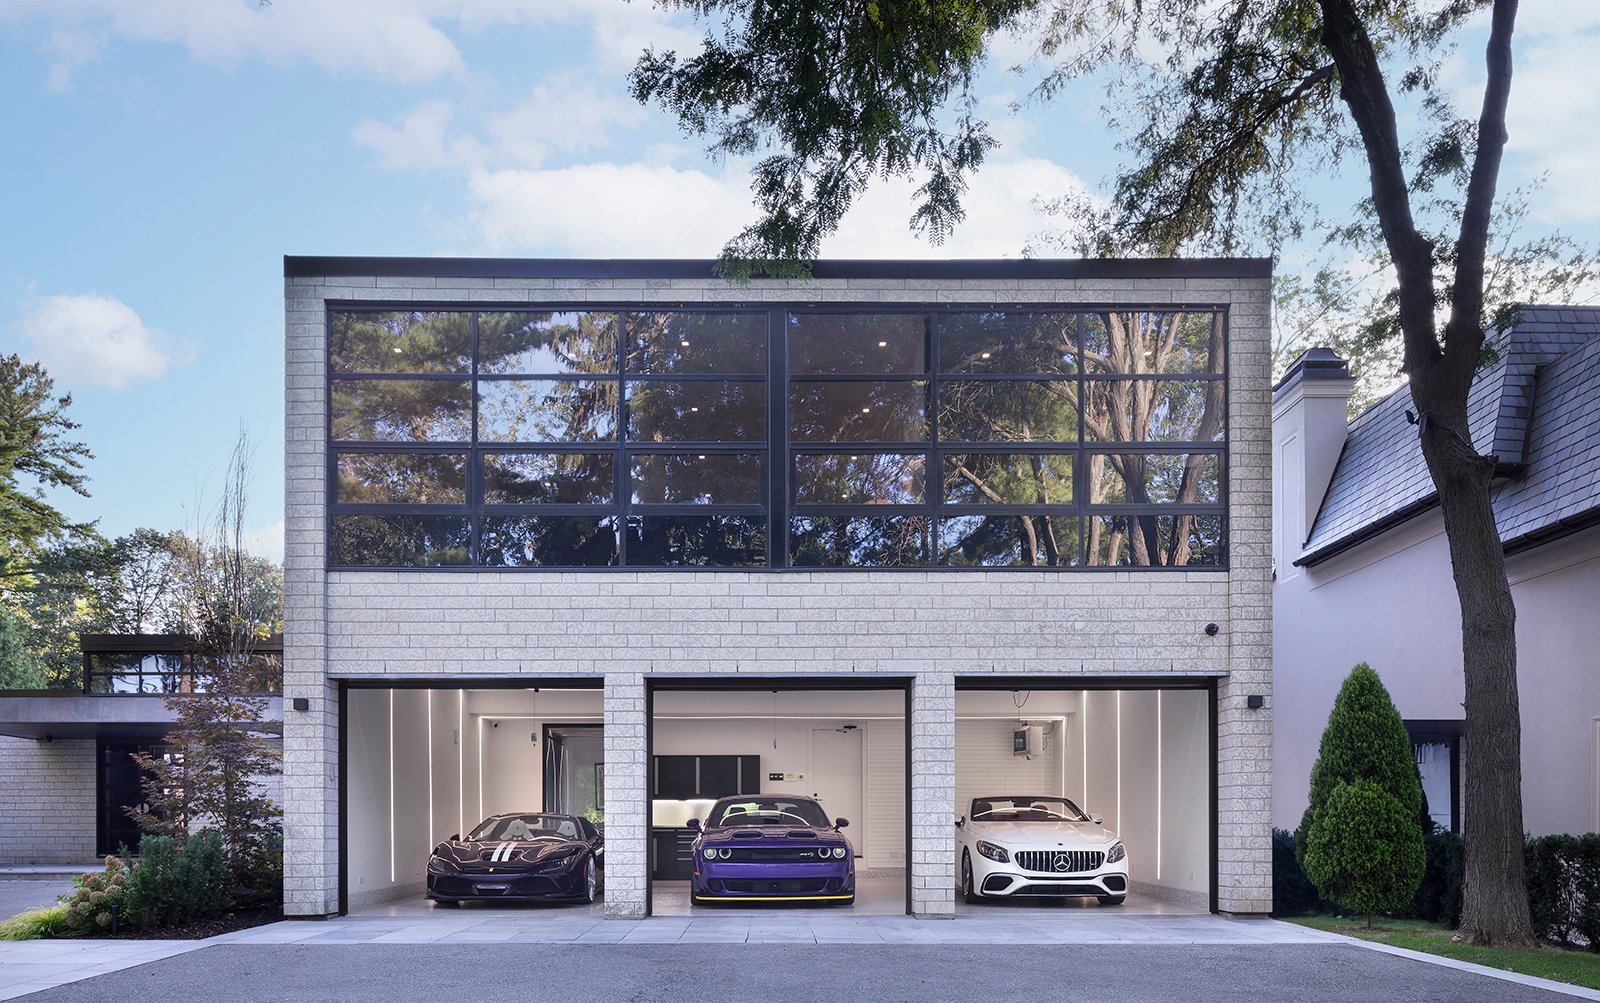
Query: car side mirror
column 1097, row 819
column 961, row 820
column 455, row 837
column 840, row 823
column 693, row 824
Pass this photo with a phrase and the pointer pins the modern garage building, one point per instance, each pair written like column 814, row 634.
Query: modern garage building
column 615, row 538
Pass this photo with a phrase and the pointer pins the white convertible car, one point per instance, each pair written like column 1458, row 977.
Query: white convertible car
column 1016, row 845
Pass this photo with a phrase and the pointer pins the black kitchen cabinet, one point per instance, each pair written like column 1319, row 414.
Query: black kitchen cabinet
column 672, row 854
column 685, row 777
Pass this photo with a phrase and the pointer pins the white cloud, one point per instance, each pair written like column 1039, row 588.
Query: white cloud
column 420, row 142
column 266, row 541
column 93, row 340
column 71, row 49
column 655, row 210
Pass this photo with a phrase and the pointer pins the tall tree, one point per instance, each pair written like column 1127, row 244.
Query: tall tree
column 1252, row 98
column 37, row 454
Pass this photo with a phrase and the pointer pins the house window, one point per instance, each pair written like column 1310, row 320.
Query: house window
column 1437, row 747
column 1043, row 438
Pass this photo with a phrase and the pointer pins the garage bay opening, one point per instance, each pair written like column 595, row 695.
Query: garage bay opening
column 778, row 794
column 1083, row 793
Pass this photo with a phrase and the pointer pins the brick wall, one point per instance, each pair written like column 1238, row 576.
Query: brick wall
column 47, row 801
column 627, row 625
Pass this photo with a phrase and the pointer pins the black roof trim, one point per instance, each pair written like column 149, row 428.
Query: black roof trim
column 298, row 266
column 145, row 643
column 1370, row 530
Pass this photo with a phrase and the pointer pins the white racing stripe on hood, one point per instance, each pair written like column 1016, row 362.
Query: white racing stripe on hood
column 502, row 852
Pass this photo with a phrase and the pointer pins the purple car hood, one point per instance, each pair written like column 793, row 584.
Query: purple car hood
column 789, row 835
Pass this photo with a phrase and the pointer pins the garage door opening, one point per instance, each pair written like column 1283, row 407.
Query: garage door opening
column 423, row 765
column 1050, row 780
column 838, row 752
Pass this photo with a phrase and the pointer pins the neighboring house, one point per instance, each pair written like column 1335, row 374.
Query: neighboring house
column 1363, row 570
column 617, row 537
column 66, row 754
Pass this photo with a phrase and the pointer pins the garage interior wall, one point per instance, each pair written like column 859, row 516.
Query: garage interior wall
column 1137, row 757
column 412, row 781
column 782, row 733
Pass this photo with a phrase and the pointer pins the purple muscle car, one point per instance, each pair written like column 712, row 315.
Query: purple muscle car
column 771, row 848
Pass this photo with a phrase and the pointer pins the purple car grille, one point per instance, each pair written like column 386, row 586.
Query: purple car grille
column 761, row 854
column 786, row 886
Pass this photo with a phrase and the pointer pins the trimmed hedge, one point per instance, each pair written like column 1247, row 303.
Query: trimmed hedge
column 1564, row 889
column 174, row 884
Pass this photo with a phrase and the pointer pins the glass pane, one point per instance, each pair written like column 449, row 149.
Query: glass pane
column 547, row 410
column 398, row 541
column 1155, row 540
column 1045, row 343
column 400, row 342
column 1009, row 541
column 707, row 541
column 699, row 478
column 727, row 411
column 858, row 412
column 675, row 342
column 850, row 343
column 1154, row 478
column 402, row 478
column 553, row 343
column 1146, row 341
column 865, row 478
column 402, row 410
column 1153, row 411
column 1008, row 411
column 858, row 541
column 545, row 541
column 1008, row 478
column 547, row 478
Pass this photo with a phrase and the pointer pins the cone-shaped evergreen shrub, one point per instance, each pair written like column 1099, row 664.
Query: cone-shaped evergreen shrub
column 1365, row 745
column 1364, row 850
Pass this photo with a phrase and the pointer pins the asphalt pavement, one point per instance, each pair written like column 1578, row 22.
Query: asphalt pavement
column 1324, row 973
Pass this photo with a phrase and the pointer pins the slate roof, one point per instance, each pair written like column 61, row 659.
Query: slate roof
column 1537, row 409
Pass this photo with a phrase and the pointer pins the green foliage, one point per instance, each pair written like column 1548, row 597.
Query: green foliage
column 1292, row 893
column 836, row 96
column 37, row 455
column 1564, row 888
column 1365, row 740
column 1363, row 849
column 1438, row 897
column 96, row 898
column 20, row 666
column 175, row 883
column 36, row 924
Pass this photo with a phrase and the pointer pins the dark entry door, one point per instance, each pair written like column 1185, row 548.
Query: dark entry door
column 117, row 788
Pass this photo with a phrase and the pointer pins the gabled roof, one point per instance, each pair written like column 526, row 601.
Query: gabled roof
column 1536, row 409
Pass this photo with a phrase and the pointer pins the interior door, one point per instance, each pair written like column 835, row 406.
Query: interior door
column 836, row 779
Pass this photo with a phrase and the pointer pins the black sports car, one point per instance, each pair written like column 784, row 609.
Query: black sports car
column 520, row 857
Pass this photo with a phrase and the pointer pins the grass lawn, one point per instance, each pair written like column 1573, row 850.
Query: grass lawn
column 1579, row 968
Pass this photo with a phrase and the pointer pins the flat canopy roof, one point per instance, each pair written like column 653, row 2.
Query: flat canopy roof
column 47, row 715
column 295, row 266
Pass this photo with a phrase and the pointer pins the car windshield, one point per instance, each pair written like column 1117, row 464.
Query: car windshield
column 767, row 811
column 1026, row 809
column 526, row 827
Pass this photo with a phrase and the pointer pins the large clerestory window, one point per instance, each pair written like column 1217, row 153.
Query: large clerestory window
column 745, row 438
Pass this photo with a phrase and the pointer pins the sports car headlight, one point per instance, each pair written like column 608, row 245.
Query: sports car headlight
column 836, row 852
column 1116, row 853
column 993, row 852
column 441, row 865
column 713, row 853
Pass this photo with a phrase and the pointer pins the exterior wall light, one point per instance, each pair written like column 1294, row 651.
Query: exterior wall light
column 1255, row 701
column 1211, row 630
column 301, row 703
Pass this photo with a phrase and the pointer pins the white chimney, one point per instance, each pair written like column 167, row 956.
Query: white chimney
column 1310, row 417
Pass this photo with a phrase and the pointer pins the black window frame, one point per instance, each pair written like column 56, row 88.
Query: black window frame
column 778, row 450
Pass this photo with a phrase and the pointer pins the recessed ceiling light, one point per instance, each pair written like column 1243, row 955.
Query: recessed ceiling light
column 398, row 350
column 883, row 344
column 986, row 355
column 702, row 456
column 694, row 409
column 684, row 343
column 865, row 410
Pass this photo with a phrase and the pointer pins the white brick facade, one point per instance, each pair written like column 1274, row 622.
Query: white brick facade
column 629, row 625
column 47, row 802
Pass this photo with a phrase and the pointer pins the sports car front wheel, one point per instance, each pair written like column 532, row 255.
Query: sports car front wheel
column 968, row 892
column 590, row 883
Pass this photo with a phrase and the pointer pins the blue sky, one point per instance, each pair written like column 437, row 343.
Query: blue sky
column 164, row 155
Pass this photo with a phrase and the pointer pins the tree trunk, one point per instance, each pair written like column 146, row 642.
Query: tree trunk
column 1494, row 894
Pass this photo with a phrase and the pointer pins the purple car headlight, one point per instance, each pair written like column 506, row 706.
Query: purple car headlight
column 837, row 852
column 715, row 853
